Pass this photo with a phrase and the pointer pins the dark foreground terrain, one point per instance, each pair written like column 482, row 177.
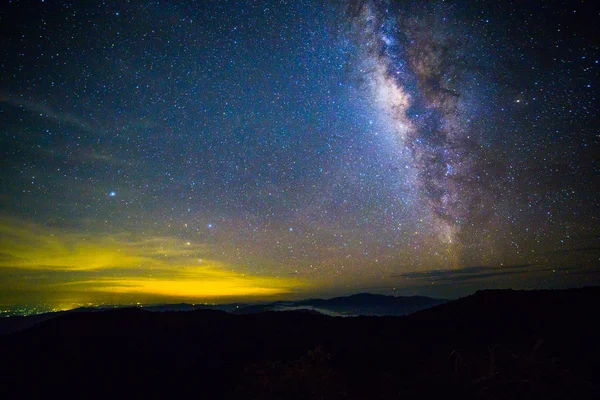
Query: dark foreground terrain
column 493, row 344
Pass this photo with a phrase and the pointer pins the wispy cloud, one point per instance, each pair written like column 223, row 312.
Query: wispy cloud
column 36, row 258
column 48, row 112
column 577, row 250
column 466, row 274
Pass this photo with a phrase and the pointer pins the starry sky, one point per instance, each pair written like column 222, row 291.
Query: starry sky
column 168, row 151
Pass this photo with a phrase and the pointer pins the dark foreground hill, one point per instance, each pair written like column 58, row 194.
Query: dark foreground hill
column 493, row 344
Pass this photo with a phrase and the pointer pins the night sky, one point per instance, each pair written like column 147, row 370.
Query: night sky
column 170, row 151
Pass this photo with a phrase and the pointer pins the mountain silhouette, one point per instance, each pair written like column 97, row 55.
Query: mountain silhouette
column 353, row 305
column 493, row 344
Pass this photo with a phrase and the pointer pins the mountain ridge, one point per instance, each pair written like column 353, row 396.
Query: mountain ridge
column 493, row 344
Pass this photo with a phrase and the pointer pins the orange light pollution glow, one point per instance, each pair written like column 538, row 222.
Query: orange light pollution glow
column 55, row 266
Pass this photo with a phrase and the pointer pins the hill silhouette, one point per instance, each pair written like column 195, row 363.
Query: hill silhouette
column 358, row 304
column 353, row 305
column 493, row 344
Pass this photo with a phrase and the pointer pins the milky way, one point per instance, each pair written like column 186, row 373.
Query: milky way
column 215, row 151
column 419, row 70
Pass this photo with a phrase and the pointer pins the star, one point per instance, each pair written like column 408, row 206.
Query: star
column 384, row 136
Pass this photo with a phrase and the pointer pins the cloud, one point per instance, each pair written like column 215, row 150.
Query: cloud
column 576, row 250
column 35, row 259
column 47, row 112
column 209, row 282
column 32, row 246
column 466, row 274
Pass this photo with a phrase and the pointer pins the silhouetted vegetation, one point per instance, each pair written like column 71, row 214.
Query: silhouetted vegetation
column 493, row 344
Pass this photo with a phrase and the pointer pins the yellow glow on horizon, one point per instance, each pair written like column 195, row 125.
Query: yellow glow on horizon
column 233, row 286
column 32, row 246
column 65, row 264
column 208, row 281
